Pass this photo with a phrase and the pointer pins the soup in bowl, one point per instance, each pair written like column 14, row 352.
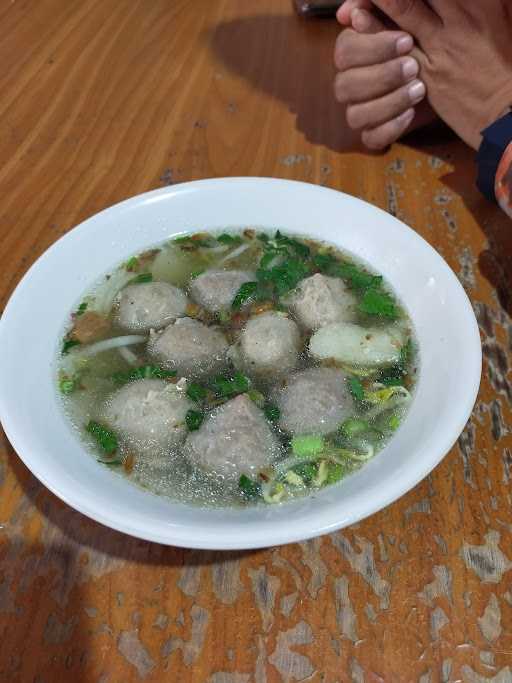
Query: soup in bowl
column 237, row 363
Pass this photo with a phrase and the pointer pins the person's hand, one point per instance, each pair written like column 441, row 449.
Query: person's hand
column 465, row 53
column 377, row 81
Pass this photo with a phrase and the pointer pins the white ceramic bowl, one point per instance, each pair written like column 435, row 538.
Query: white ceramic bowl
column 29, row 329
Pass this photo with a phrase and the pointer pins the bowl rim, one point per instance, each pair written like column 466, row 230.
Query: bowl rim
column 383, row 498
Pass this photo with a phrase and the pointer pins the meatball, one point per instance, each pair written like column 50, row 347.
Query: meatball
column 190, row 347
column 235, row 439
column 216, row 289
column 314, row 401
column 148, row 414
column 268, row 346
column 320, row 300
column 151, row 305
column 356, row 345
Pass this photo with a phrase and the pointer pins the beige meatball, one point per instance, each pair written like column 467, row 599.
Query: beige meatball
column 320, row 300
column 314, row 401
column 268, row 346
column 216, row 289
column 234, row 439
column 148, row 414
column 190, row 347
column 150, row 305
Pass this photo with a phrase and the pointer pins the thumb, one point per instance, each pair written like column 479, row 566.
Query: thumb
column 344, row 13
column 414, row 16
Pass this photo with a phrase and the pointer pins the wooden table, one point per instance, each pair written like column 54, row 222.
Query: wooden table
column 103, row 99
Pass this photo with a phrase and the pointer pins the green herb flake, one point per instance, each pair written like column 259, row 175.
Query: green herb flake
column 356, row 388
column 141, row 279
column 246, row 291
column 272, row 412
column 82, row 308
column 110, row 463
column 230, row 240
column 144, row 372
column 375, row 302
column 307, row 446
column 194, row 419
column 132, row 264
column 356, row 277
column 196, row 392
column 249, row 489
column 68, row 344
column 104, row 437
column 226, row 387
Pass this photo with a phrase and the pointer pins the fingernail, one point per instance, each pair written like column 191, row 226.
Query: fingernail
column 410, row 68
column 404, row 45
column 360, row 20
column 416, row 91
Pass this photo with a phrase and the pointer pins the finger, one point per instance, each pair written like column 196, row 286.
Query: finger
column 365, row 22
column 414, row 16
column 389, row 132
column 344, row 12
column 374, row 113
column 354, row 49
column 370, row 82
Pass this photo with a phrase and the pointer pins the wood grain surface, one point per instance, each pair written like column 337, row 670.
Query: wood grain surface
column 103, row 99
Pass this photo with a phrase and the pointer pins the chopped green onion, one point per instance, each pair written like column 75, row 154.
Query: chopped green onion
column 336, row 472
column 141, row 279
column 272, row 412
column 194, row 419
column 196, row 273
column 144, row 372
column 378, row 303
column 104, row 437
column 394, row 422
column 246, row 291
column 67, row 385
column 353, row 427
column 293, row 478
column 231, row 240
column 307, row 446
column 110, row 463
column 356, row 388
column 322, row 474
column 69, row 344
column 307, row 471
column 82, row 308
column 249, row 488
column 196, row 392
column 263, row 237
